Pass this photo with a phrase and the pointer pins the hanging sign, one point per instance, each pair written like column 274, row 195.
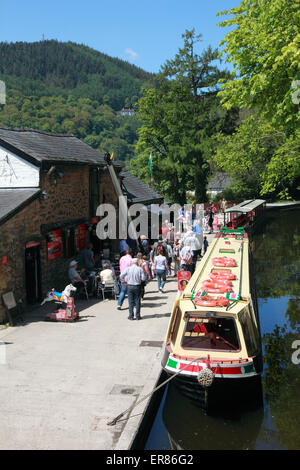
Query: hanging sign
column 54, row 245
column 183, row 278
column 32, row 244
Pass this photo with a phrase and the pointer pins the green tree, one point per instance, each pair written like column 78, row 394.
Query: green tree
column 262, row 160
column 264, row 50
column 178, row 122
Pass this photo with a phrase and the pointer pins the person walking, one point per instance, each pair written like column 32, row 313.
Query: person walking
column 123, row 247
column 193, row 242
column 144, row 245
column 159, row 245
column 161, row 269
column 125, row 262
column 169, row 256
column 205, row 244
column 199, row 234
column 186, row 259
column 135, row 276
column 176, row 257
column 142, row 262
column 210, row 220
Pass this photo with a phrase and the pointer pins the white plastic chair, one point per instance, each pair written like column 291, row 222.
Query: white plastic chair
column 109, row 286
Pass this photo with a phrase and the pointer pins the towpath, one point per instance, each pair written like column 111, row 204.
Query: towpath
column 61, row 383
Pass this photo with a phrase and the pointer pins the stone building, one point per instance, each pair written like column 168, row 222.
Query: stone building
column 50, row 188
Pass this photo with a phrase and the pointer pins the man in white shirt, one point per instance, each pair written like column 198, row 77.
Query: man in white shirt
column 135, row 275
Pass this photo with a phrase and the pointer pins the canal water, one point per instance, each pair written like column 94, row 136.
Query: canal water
column 272, row 420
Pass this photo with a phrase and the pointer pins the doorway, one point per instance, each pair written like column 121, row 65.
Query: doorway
column 33, row 272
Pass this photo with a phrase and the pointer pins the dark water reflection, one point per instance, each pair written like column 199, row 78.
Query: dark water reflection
column 276, row 423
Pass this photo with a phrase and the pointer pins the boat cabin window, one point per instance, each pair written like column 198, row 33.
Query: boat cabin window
column 210, row 333
column 248, row 332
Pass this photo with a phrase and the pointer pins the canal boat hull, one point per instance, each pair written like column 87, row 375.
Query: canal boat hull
column 231, row 382
column 213, row 349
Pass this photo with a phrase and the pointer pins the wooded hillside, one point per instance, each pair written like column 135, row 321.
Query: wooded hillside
column 66, row 87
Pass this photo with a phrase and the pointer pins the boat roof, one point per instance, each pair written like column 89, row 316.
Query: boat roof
column 246, row 206
column 230, row 244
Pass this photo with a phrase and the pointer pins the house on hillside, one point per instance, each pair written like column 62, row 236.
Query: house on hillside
column 126, row 112
column 50, row 188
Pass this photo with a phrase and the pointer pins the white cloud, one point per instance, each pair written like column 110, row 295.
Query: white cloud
column 131, row 54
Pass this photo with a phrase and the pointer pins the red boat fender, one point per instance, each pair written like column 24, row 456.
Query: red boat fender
column 204, row 302
column 218, row 290
column 224, row 261
column 216, row 283
column 211, row 301
column 222, row 276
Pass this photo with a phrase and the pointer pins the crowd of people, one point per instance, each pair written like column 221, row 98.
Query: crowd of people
column 143, row 262
column 172, row 252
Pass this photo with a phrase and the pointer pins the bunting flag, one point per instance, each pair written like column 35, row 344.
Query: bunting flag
column 150, row 163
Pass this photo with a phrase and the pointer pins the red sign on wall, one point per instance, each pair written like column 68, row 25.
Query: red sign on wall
column 183, row 279
column 54, row 246
column 3, row 260
column 80, row 237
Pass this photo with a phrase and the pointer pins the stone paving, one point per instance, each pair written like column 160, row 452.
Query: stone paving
column 61, row 383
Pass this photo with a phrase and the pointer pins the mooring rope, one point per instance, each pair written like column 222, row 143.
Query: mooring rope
column 117, row 418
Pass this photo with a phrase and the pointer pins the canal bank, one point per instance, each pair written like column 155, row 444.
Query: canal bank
column 62, row 383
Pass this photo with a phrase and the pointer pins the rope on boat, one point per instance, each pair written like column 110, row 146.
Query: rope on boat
column 114, row 421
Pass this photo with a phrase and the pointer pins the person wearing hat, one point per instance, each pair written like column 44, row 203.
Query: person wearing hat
column 135, row 275
column 144, row 245
column 75, row 277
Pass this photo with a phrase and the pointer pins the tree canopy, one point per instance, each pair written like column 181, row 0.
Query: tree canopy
column 264, row 48
column 262, row 160
column 263, row 155
column 179, row 115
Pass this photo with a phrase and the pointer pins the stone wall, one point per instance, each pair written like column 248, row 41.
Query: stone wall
column 14, row 234
column 66, row 198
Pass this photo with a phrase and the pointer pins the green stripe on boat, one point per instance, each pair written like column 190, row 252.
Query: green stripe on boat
column 249, row 368
column 172, row 363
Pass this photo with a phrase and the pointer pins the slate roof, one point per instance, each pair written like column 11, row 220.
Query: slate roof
column 14, row 199
column 137, row 191
column 37, row 146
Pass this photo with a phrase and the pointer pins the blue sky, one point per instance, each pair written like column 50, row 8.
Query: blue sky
column 145, row 33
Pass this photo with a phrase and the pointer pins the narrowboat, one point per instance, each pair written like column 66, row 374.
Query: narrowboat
column 213, row 342
column 246, row 215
